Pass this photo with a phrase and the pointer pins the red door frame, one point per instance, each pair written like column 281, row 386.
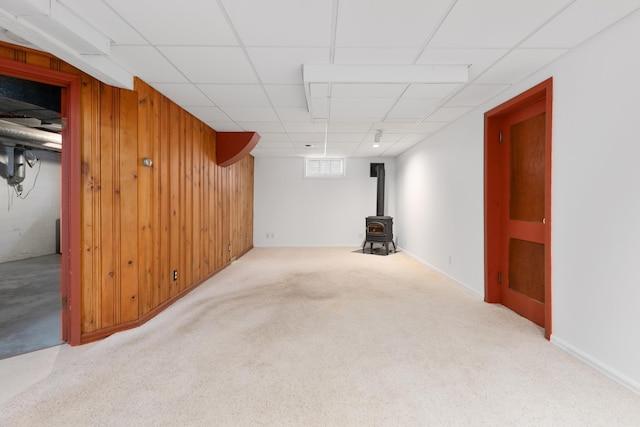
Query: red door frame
column 70, row 191
column 493, row 185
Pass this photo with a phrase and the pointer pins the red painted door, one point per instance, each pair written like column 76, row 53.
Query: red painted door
column 517, row 199
column 523, row 239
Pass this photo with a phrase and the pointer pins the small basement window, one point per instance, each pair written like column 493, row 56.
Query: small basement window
column 324, row 167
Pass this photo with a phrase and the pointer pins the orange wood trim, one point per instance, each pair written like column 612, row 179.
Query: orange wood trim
column 233, row 146
column 493, row 181
column 70, row 178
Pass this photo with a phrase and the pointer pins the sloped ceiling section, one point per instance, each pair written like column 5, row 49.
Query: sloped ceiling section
column 238, row 65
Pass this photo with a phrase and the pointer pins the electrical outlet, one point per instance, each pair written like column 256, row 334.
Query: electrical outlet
column 175, row 275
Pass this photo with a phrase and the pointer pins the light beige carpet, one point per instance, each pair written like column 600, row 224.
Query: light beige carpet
column 322, row 337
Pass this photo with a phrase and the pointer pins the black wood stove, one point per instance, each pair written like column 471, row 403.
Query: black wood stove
column 379, row 228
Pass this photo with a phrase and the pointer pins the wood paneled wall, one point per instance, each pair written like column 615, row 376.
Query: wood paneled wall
column 140, row 224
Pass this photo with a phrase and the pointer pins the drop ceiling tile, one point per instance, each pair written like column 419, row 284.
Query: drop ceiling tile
column 519, row 64
column 474, row 95
column 298, row 138
column 281, row 22
column 408, row 109
column 477, row 24
column 284, row 65
column 301, row 127
column 585, row 18
column 280, row 152
column 419, row 90
column 146, row 63
column 429, row 127
column 208, row 114
column 350, row 127
column 395, row 127
column 262, row 127
column 268, row 137
column 286, row 95
column 448, row 114
column 249, row 114
column 284, row 143
column 348, row 55
column 105, row 20
column 478, row 60
column 294, row 114
column 259, row 152
column 235, row 95
column 224, row 126
column 207, row 69
column 187, row 22
column 361, row 90
column 183, row 94
column 345, row 137
column 386, row 138
column 412, row 138
column 401, row 23
column 358, row 109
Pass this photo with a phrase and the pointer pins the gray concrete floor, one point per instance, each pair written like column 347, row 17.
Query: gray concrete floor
column 29, row 305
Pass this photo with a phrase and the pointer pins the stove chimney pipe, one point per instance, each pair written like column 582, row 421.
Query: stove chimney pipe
column 380, row 200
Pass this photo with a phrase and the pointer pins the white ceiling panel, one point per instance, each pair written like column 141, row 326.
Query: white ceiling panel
column 448, row 114
column 412, row 138
column 238, row 64
column 284, row 65
column 354, row 90
column 274, row 144
column 395, row 127
column 183, row 94
column 380, row 23
column 519, row 64
column 295, row 114
column 474, row 95
column 345, row 137
column 286, row 95
column 236, row 95
column 419, row 90
column 262, row 127
column 349, row 127
column 412, row 108
column 493, row 23
column 358, row 109
column 105, row 20
column 271, row 23
column 246, row 114
column 224, row 126
column 298, row 138
column 147, row 63
column 478, row 60
column 214, row 64
column 301, row 127
column 208, row 114
column 349, row 55
column 187, row 22
column 585, row 18
column 429, row 127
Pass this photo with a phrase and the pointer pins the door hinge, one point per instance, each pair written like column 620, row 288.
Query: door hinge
column 229, row 248
column 63, row 303
column 501, row 137
column 500, row 277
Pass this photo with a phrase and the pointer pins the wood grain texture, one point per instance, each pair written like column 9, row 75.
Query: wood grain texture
column 138, row 224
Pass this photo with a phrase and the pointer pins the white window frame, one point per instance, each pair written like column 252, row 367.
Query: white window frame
column 325, row 167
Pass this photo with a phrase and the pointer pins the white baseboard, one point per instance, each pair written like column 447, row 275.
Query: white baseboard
column 442, row 273
column 596, row 364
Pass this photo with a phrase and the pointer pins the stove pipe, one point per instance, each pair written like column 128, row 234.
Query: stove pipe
column 380, row 200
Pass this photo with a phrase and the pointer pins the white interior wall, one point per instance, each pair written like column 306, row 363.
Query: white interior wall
column 28, row 226
column 595, row 200
column 305, row 212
